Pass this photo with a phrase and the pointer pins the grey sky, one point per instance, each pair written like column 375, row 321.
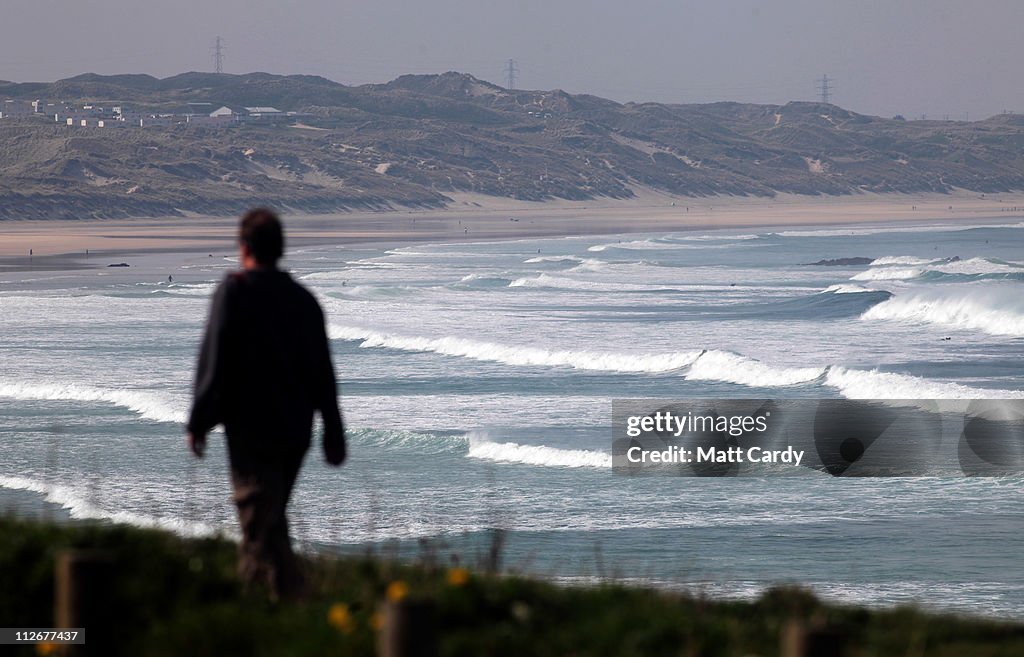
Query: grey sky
column 940, row 57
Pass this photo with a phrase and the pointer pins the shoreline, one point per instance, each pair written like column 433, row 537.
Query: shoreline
column 73, row 245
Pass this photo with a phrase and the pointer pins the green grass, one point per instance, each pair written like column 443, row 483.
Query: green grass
column 177, row 597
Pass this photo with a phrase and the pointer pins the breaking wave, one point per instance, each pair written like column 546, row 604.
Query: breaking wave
column 888, row 274
column 482, row 448
column 477, row 445
column 996, row 312
column 663, row 244
column 147, row 404
column 900, row 260
column 397, row 439
column 558, row 260
column 732, row 368
column 566, row 283
column 77, row 504
column 713, row 365
column 520, row 355
column 906, row 267
column 482, row 281
column 872, row 384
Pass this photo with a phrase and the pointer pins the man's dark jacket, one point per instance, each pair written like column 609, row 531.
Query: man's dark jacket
column 265, row 367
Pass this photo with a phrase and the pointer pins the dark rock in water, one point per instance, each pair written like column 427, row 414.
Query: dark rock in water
column 948, row 260
column 119, row 264
column 841, row 262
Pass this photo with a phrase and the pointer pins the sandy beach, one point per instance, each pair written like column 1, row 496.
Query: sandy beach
column 59, row 245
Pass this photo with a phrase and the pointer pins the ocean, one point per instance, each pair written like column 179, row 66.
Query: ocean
column 476, row 385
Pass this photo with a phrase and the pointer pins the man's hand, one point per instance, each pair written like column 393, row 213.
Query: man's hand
column 197, row 443
column 335, row 451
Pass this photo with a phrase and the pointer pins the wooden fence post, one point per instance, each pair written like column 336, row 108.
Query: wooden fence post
column 83, row 598
column 409, row 629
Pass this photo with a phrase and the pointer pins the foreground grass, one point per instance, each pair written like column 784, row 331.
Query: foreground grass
column 181, row 597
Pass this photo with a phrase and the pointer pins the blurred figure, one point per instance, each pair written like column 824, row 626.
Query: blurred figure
column 264, row 369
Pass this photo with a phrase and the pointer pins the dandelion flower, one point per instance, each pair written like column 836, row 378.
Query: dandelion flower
column 397, row 590
column 340, row 618
column 458, row 576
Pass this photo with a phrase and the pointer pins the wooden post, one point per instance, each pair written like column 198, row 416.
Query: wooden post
column 409, row 629
column 824, row 642
column 797, row 640
column 82, row 598
column 791, row 639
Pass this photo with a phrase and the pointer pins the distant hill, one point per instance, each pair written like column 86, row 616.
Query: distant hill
column 417, row 138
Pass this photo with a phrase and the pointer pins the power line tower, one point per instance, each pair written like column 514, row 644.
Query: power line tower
column 511, row 71
column 218, row 55
column 825, row 90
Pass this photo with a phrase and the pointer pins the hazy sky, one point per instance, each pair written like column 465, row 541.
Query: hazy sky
column 940, row 57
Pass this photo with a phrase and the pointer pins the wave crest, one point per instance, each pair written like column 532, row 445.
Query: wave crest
column 75, row 501
column 943, row 269
column 520, row 355
column 872, row 384
column 147, row 404
column 732, row 368
column 900, row 260
column 996, row 312
column 540, row 455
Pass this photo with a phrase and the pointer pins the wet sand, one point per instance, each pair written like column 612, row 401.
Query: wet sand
column 61, row 244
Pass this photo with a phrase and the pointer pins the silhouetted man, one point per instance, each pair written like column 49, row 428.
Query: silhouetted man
column 264, row 369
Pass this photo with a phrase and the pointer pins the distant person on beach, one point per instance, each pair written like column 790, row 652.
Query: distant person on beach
column 264, row 369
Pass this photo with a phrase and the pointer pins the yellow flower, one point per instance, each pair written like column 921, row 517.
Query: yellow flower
column 458, row 576
column 339, row 617
column 397, row 590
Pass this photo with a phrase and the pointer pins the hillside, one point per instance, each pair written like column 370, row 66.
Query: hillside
column 413, row 140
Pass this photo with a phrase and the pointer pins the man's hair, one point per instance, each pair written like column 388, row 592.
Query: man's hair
column 260, row 230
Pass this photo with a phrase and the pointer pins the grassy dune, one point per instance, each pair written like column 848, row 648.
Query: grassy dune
column 175, row 596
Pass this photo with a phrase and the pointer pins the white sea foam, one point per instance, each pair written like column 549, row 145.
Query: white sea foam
column 900, row 260
column 733, row 368
column 715, row 238
column 519, row 355
column 968, row 267
column 590, row 264
column 666, row 244
column 75, row 500
column 469, row 278
column 638, row 245
column 567, row 283
column 872, row 384
column 482, row 448
column 888, row 274
column 147, row 404
column 976, row 266
column 560, row 258
column 997, row 311
column 715, row 365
